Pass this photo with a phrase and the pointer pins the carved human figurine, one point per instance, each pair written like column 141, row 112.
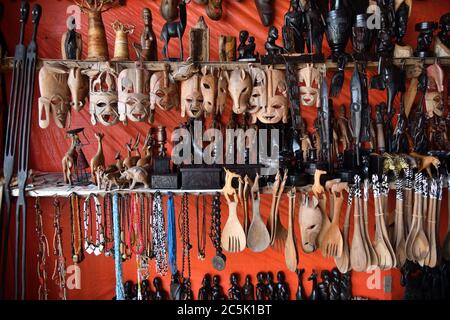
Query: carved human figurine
column 424, row 39
column 248, row 289
column 217, row 290
column 335, row 285
column 305, row 140
column 402, row 13
column 205, row 293
column 346, row 286
column 271, row 46
column 315, row 293
column 71, row 42
column 160, row 294
column 300, row 295
column 234, row 293
column 147, row 49
column 442, row 43
column 128, row 288
column 261, row 286
column 246, row 50
column 146, row 291
column 271, row 290
column 324, row 285
column 343, row 129
column 293, row 29
column 265, row 10
column 283, row 291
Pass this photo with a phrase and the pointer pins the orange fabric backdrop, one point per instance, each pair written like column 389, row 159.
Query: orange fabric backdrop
column 48, row 147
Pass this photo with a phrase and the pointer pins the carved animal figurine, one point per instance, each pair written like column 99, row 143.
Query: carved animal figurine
column 112, row 179
column 119, row 161
column 315, row 293
column 146, row 160
column 136, row 175
column 130, row 160
column 426, row 162
column 69, row 160
column 174, row 29
column 99, row 159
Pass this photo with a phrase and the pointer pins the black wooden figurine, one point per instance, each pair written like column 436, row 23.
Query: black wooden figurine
column 271, row 290
column 315, row 293
column 248, row 289
column 234, row 293
column 324, row 285
column 293, row 27
column 261, row 286
column 217, row 290
column 205, row 292
column 300, row 295
column 283, row 292
column 272, row 48
column 335, row 285
column 159, row 294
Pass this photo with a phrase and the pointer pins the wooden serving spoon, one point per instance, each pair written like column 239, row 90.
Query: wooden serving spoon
column 358, row 256
column 446, row 246
column 420, row 246
column 400, row 242
column 413, row 228
column 431, row 258
column 343, row 262
column 328, row 185
column 258, row 237
column 373, row 264
column 290, row 250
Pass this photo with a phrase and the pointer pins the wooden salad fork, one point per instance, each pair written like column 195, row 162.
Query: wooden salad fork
column 343, row 261
column 233, row 236
column 333, row 241
column 319, row 192
column 280, row 232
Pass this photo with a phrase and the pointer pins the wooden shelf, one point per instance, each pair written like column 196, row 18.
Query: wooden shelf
column 7, row 63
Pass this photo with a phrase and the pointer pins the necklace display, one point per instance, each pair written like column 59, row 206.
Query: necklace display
column 75, row 221
column 135, row 241
column 201, row 228
column 89, row 245
column 108, row 225
column 186, row 258
column 124, row 250
column 42, row 253
column 215, row 235
column 59, row 272
column 159, row 235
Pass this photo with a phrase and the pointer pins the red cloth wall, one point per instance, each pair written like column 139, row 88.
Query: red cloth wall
column 48, row 147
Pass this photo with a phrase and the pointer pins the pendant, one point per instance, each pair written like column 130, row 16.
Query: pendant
column 219, row 262
column 90, row 249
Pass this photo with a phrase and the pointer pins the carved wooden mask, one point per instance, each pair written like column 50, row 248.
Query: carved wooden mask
column 192, row 103
column 240, row 89
column 222, row 91
column 103, row 97
column 277, row 106
column 310, row 219
column 258, row 99
column 163, row 91
column 309, row 79
column 79, row 88
column 55, row 96
column 134, row 94
column 208, row 86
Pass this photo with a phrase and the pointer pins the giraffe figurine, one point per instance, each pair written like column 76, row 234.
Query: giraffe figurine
column 98, row 161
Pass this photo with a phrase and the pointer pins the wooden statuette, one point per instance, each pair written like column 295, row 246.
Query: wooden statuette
column 121, row 44
column 71, row 42
column 227, row 48
column 199, row 41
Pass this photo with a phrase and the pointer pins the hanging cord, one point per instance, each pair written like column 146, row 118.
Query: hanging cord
column 148, row 227
column 186, row 247
column 59, row 272
column 215, row 234
column 159, row 235
column 135, row 241
column 89, row 245
column 42, row 253
column 120, row 294
column 76, row 236
column 201, row 228
column 108, row 225
column 171, row 234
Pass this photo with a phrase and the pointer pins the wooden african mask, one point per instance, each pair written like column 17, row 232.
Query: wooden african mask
column 208, row 86
column 309, row 79
column 55, row 96
column 169, row 9
column 434, row 104
column 258, row 99
column 310, row 220
column 222, row 91
column 163, row 91
column 277, row 106
column 240, row 89
column 191, row 98
column 79, row 88
column 134, row 94
column 103, row 98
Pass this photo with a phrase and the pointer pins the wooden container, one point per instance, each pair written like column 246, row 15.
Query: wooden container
column 227, row 48
column 97, row 44
column 121, row 52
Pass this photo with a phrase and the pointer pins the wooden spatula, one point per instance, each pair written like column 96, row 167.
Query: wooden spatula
column 258, row 237
column 343, row 262
column 358, row 257
column 290, row 250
